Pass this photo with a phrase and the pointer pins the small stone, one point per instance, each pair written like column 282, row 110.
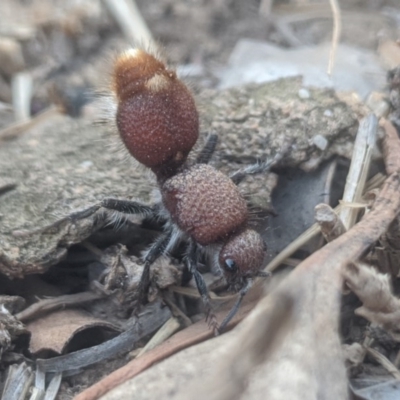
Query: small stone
column 86, row 164
column 328, row 113
column 320, row 141
column 304, row 94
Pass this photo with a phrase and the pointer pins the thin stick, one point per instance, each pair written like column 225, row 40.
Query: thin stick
column 44, row 306
column 21, row 85
column 176, row 311
column 381, row 359
column 361, row 159
column 166, row 331
column 337, row 28
column 19, row 128
column 131, row 22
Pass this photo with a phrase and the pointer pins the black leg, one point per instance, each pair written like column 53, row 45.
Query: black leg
column 254, row 169
column 127, row 206
column 123, row 206
column 236, row 306
column 156, row 250
column 84, row 213
column 259, row 167
column 208, row 150
column 191, row 261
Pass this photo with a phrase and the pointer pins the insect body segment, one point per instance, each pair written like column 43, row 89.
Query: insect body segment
column 205, row 203
column 156, row 116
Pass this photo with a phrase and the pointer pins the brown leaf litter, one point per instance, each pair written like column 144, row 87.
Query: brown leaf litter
column 55, row 331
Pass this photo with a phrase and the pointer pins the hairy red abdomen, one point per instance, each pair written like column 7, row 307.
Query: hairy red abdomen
column 157, row 116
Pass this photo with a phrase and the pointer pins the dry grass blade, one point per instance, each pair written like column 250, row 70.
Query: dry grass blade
column 19, row 380
column 304, row 238
column 337, row 27
column 131, row 22
column 167, row 330
column 40, row 383
column 53, row 388
column 381, row 359
column 22, row 93
column 359, row 168
column 19, row 128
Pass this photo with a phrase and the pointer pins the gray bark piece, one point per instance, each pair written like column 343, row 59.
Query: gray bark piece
column 256, row 121
column 66, row 165
column 60, row 167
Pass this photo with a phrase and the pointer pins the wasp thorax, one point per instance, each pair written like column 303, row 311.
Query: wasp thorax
column 243, row 254
column 157, row 116
column 205, row 203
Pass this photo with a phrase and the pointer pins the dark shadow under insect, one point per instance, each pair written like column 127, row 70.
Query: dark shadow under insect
column 158, row 122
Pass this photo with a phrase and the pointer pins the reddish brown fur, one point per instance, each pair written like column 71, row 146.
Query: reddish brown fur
column 205, row 203
column 157, row 116
column 132, row 70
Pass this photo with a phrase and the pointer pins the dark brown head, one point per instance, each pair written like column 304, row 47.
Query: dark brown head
column 242, row 256
column 157, row 116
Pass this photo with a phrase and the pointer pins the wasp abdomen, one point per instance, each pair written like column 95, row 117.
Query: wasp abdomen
column 157, row 116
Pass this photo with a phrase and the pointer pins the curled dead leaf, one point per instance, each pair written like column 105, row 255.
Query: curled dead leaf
column 374, row 290
column 55, row 331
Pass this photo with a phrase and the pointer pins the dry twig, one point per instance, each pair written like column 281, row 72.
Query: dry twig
column 381, row 359
column 359, row 168
column 131, row 22
column 47, row 305
column 337, row 27
column 167, row 330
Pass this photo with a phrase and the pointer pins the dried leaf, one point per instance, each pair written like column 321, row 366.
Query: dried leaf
column 56, row 330
column 374, row 290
